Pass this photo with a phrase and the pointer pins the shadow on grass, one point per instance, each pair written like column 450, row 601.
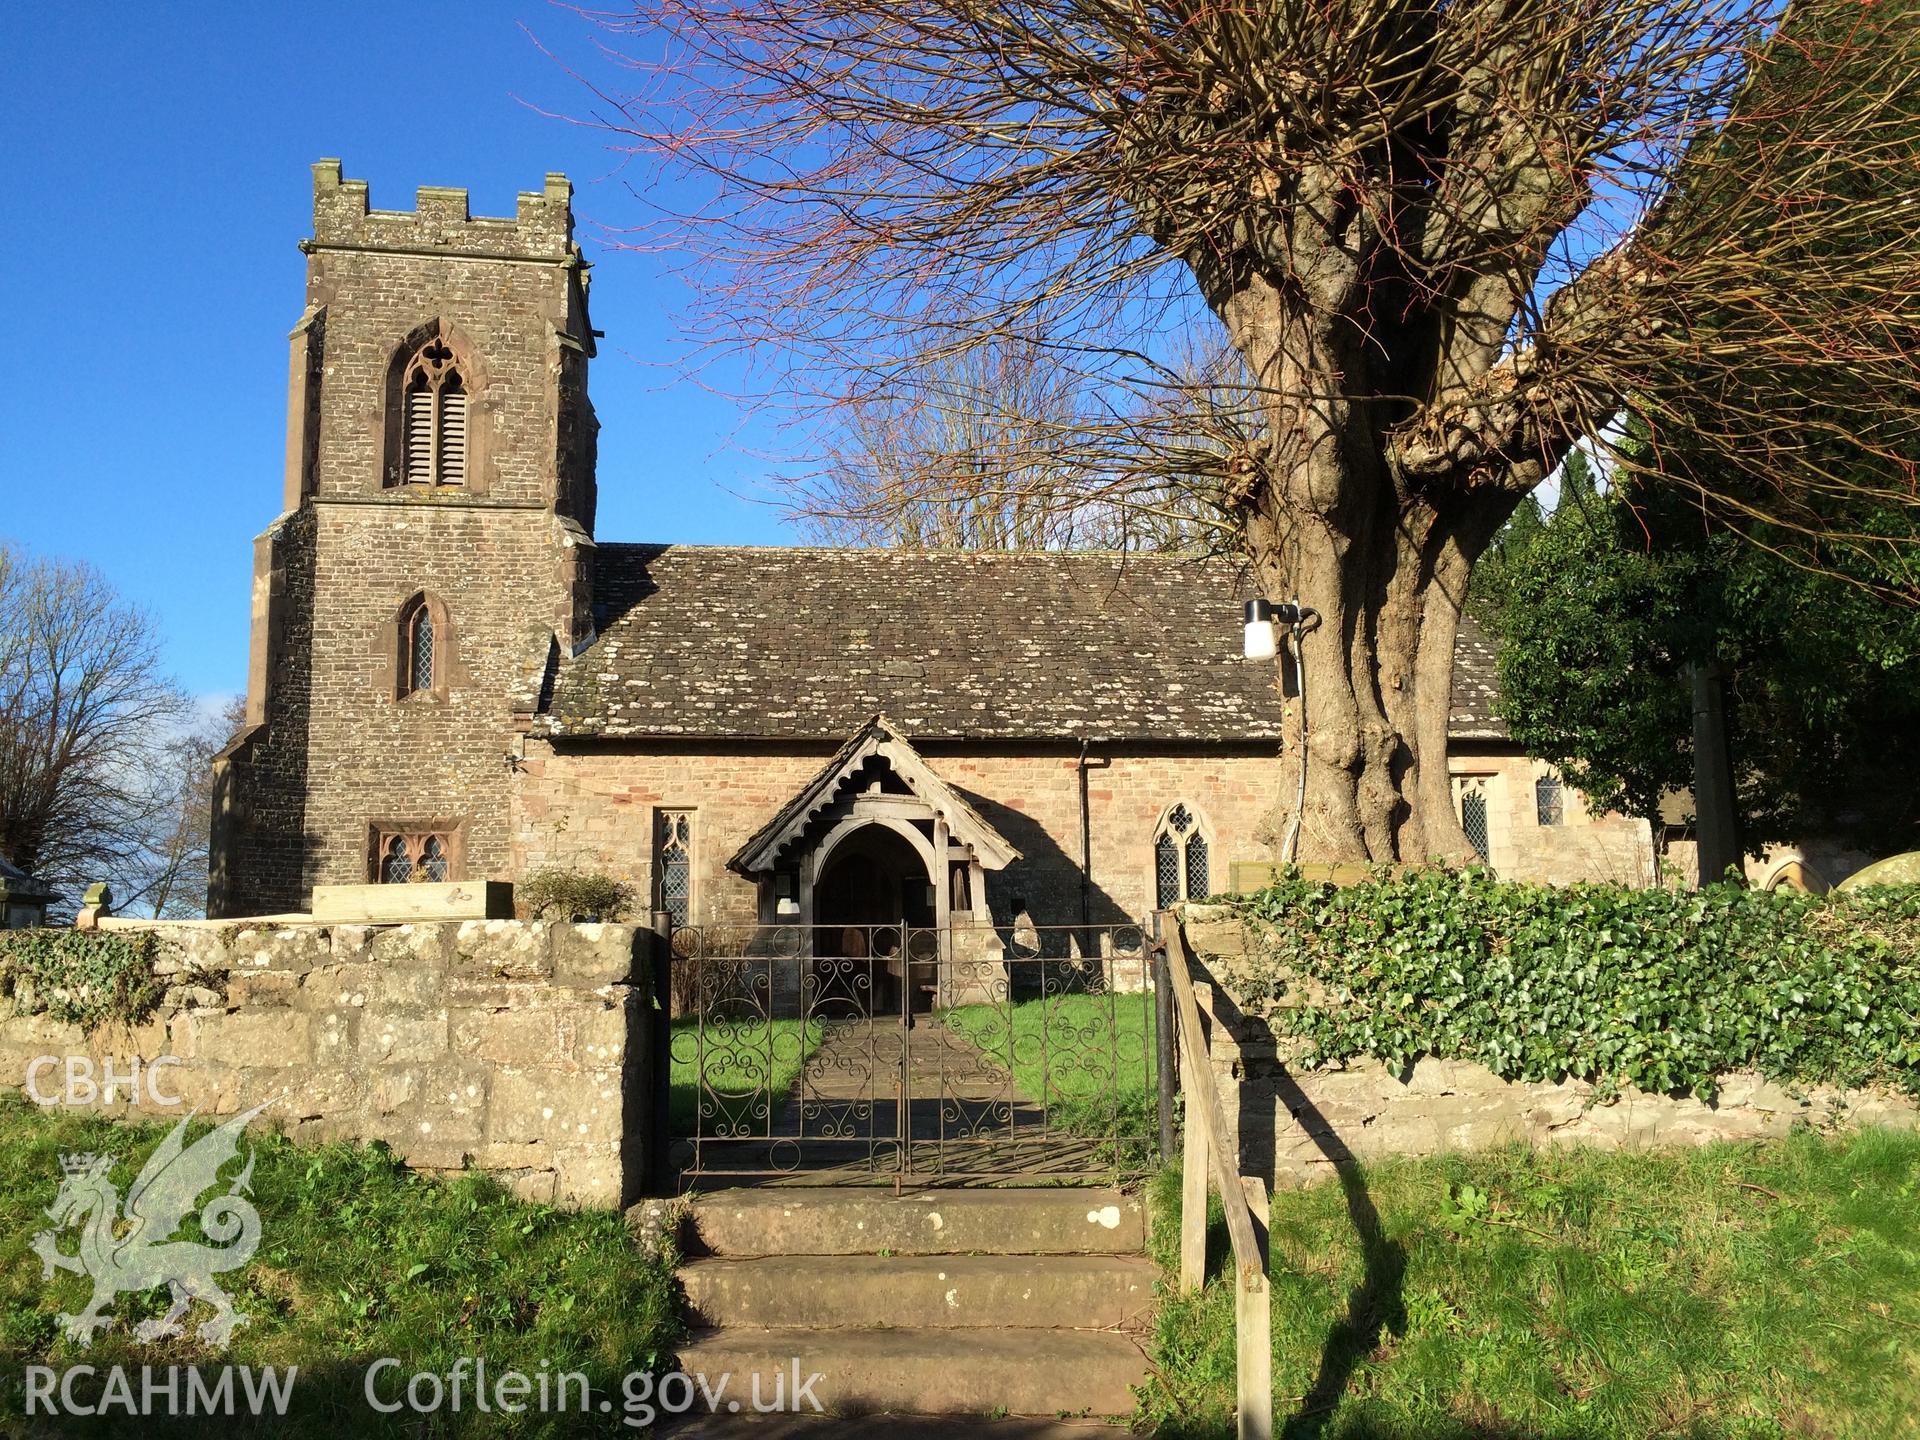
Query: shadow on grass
column 1376, row 1305
column 734, row 1077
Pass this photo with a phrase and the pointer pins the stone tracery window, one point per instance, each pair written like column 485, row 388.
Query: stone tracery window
column 434, row 426
column 402, row 854
column 673, row 864
column 1182, row 856
column 396, row 863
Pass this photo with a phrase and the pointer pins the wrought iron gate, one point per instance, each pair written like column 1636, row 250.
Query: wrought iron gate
column 862, row 1053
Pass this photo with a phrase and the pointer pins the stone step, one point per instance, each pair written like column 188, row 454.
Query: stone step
column 1072, row 1292
column 928, row 1372
column 779, row 1220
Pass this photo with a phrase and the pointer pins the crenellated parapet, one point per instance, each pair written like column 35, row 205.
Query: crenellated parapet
column 440, row 222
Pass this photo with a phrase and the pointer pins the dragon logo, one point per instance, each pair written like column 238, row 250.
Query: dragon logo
column 138, row 1251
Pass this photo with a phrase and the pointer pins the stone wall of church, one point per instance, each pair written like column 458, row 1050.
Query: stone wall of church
column 595, row 809
column 1035, row 802
column 1584, row 845
column 257, row 863
column 503, row 319
column 432, row 761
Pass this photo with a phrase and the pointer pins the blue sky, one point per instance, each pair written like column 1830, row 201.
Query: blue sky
column 156, row 161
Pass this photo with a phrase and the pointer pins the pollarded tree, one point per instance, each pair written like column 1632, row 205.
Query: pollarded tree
column 1445, row 238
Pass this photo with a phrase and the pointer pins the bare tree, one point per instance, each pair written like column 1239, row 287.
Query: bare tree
column 86, row 717
column 972, row 451
column 169, row 876
column 1445, row 238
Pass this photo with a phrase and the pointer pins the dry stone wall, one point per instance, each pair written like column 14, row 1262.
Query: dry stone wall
column 517, row 1048
column 1297, row 1123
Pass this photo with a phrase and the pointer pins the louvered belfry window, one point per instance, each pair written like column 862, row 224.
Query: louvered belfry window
column 435, row 439
column 1180, row 859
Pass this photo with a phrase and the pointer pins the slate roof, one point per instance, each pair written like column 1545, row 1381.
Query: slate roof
column 1475, row 685
column 778, row 642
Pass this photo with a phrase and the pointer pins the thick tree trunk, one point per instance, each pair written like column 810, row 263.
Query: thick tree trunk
column 1388, row 575
column 1370, row 507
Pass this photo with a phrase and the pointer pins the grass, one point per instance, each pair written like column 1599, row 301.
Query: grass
column 1087, row 1058
column 748, row 1069
column 1734, row 1292
column 359, row 1259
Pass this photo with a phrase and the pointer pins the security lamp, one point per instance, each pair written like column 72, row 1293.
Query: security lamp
column 1263, row 616
column 1262, row 642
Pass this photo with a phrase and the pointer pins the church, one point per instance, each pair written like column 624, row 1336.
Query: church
column 453, row 677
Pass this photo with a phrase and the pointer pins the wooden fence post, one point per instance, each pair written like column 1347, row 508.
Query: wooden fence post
column 1194, row 1165
column 1253, row 1326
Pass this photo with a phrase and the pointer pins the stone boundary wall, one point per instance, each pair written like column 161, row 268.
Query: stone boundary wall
column 1297, row 1124
column 506, row 1046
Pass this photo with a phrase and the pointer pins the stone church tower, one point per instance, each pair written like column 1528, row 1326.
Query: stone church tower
column 433, row 560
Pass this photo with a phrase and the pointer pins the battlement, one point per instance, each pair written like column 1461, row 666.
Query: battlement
column 542, row 228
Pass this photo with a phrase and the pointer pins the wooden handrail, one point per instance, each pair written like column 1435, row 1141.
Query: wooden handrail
column 1226, row 1174
column 1209, row 1149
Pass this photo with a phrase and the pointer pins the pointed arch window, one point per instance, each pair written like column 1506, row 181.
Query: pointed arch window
column 420, row 650
column 673, row 864
column 419, row 852
column 396, row 864
column 421, row 643
column 434, row 425
column 1182, row 858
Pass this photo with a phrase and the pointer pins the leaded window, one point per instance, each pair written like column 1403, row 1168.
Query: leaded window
column 1549, row 800
column 1473, row 819
column 1197, row 886
column 1181, row 856
column 434, row 426
column 420, row 650
column 673, row 864
column 396, row 865
column 1166, row 871
column 405, row 855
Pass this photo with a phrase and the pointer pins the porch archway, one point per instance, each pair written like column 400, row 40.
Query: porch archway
column 871, row 878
